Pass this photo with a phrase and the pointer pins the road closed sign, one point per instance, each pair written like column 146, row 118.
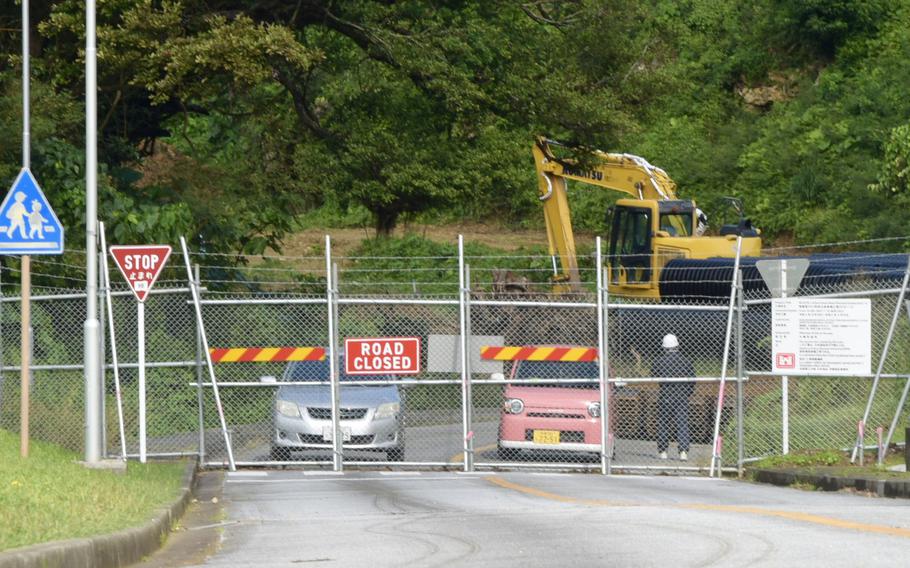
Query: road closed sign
column 141, row 265
column 382, row 355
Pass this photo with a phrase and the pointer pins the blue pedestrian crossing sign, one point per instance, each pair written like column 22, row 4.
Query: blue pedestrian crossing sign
column 28, row 225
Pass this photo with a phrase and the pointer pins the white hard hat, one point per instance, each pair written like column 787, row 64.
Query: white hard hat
column 670, row 341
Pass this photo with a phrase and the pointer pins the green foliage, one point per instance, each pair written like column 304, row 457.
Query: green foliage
column 223, row 123
column 804, row 458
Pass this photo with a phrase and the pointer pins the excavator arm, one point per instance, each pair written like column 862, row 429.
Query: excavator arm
column 619, row 172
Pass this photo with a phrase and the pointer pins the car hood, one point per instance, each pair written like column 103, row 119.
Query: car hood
column 553, row 396
column 353, row 395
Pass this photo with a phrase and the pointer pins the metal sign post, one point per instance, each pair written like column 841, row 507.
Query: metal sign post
column 783, row 278
column 141, row 265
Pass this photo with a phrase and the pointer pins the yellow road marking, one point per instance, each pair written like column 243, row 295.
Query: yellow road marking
column 804, row 517
column 790, row 515
column 555, row 496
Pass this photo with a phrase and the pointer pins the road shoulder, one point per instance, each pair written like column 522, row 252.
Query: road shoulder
column 121, row 548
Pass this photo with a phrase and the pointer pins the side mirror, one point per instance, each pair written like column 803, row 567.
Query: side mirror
column 268, row 379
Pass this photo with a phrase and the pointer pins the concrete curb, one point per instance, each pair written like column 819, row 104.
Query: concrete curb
column 117, row 549
column 880, row 487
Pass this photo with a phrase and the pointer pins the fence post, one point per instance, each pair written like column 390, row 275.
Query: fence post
column 860, row 442
column 900, row 406
column 715, row 458
column 106, row 274
column 464, row 324
column 331, row 304
column 208, row 356
column 2, row 375
column 102, row 354
column 200, row 400
column 740, row 373
column 603, row 370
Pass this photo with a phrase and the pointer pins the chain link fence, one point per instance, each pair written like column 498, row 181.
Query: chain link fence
column 510, row 373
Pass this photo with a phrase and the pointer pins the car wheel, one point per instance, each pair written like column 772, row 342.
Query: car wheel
column 396, row 454
column 280, row 453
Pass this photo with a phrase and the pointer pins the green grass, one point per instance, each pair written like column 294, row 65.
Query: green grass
column 833, row 462
column 49, row 496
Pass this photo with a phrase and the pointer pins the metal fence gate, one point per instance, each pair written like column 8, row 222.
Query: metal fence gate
column 509, row 379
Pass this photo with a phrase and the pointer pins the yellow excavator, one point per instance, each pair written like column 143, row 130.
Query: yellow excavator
column 648, row 230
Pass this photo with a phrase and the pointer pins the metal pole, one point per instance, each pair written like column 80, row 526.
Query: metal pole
column 470, row 387
column 715, row 452
column 110, row 319
column 102, row 354
column 339, row 431
column 860, row 442
column 140, row 333
column 2, row 376
column 331, row 303
column 900, row 406
column 740, row 373
column 603, row 368
column 785, row 380
column 208, row 355
column 465, row 374
column 26, row 72
column 92, row 367
column 199, row 398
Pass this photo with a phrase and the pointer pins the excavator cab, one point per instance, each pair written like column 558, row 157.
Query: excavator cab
column 638, row 225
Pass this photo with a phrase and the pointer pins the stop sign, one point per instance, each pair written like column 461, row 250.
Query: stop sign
column 141, row 265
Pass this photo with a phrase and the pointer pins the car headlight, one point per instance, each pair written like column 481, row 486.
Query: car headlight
column 287, row 408
column 387, row 410
column 594, row 409
column 513, row 405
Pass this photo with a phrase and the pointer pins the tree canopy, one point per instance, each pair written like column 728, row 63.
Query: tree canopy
column 221, row 120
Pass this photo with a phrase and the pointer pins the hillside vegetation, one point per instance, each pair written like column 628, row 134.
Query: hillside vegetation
column 236, row 123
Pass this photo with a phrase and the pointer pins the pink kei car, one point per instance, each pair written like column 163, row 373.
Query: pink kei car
column 544, row 416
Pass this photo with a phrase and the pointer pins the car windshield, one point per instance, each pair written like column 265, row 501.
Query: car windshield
column 316, row 371
column 559, row 370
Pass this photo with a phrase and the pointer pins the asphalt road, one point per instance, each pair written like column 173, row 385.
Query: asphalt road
column 377, row 519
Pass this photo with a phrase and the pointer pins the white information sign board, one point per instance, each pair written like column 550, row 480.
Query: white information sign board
column 827, row 337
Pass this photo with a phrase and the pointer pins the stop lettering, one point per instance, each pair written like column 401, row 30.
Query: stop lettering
column 141, row 265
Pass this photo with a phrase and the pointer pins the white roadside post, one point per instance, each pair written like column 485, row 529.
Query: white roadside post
column 140, row 266
column 785, row 380
column 783, row 277
column 110, row 319
column 91, row 327
column 716, row 446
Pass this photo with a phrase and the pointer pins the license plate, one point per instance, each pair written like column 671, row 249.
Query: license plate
column 546, row 436
column 328, row 434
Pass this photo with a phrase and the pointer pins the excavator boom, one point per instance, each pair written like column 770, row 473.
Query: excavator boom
column 650, row 229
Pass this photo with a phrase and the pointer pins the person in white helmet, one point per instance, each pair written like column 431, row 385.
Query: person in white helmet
column 673, row 397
